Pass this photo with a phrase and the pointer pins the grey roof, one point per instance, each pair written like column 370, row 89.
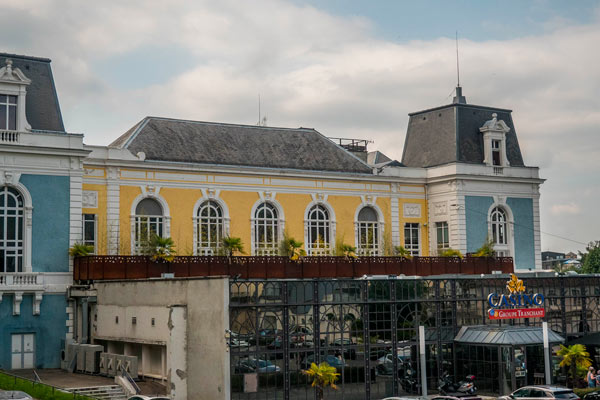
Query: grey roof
column 42, row 108
column 172, row 140
column 377, row 157
column 451, row 133
column 505, row 335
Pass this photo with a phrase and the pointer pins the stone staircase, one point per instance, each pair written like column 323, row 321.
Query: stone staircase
column 108, row 392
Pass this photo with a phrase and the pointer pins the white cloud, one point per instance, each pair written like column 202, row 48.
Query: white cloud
column 317, row 70
column 568, row 209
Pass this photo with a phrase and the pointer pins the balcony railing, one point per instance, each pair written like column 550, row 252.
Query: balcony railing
column 92, row 268
column 20, row 280
column 9, row 136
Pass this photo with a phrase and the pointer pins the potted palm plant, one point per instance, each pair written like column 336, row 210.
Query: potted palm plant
column 322, row 375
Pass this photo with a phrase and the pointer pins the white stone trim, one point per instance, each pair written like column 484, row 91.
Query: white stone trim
column 37, row 302
column 395, row 211
column 75, row 212
column 150, row 192
column 500, row 201
column 113, row 206
column 9, row 178
column 369, row 201
column 210, row 195
column 537, row 232
column 17, row 299
column 266, row 197
column 321, row 199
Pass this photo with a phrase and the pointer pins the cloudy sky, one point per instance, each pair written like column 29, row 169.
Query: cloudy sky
column 347, row 68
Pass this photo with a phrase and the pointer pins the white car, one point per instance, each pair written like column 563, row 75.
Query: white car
column 239, row 343
column 14, row 395
column 140, row 397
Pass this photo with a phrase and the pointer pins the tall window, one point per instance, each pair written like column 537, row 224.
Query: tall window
column 11, row 230
column 411, row 238
column 319, row 231
column 89, row 230
column 209, row 228
column 149, row 221
column 443, row 238
column 368, row 232
column 496, row 160
column 8, row 112
column 266, row 230
column 499, row 226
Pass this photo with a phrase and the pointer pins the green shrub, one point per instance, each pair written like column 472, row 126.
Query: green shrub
column 81, row 250
column 36, row 389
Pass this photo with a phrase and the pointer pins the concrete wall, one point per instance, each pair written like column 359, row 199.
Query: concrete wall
column 50, row 235
column 202, row 305
column 49, row 328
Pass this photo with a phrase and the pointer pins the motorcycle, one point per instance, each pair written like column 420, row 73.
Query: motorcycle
column 448, row 387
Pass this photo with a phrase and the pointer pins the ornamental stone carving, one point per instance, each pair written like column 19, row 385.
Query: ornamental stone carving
column 440, row 208
column 90, row 199
column 412, row 210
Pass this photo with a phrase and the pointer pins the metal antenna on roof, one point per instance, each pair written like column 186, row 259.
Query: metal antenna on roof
column 258, row 123
column 457, row 68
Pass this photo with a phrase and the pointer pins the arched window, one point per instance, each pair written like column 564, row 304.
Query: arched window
column 368, row 232
column 499, row 228
column 209, row 228
column 319, row 231
column 266, row 230
column 11, row 230
column 149, row 221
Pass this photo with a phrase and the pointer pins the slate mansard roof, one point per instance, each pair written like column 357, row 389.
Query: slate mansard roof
column 42, row 108
column 172, row 140
column 451, row 133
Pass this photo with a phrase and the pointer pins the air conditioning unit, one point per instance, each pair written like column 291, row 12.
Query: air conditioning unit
column 103, row 365
column 130, row 365
column 80, row 367
column 112, row 365
column 92, row 358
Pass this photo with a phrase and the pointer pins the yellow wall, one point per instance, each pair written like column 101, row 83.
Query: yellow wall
column 181, row 203
column 100, row 212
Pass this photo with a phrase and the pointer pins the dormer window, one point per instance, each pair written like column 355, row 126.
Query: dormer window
column 8, row 112
column 494, row 142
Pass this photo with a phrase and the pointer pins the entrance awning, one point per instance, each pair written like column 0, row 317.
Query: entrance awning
column 505, row 335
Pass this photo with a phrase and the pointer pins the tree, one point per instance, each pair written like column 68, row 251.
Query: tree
column 574, row 357
column 450, row 253
column 590, row 261
column 81, row 250
column 322, row 376
column 232, row 245
column 486, row 249
column 159, row 248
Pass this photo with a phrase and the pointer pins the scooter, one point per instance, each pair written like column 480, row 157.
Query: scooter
column 449, row 387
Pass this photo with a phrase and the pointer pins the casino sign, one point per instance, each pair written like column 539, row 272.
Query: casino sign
column 517, row 304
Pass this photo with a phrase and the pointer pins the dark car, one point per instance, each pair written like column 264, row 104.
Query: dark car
column 329, row 359
column 469, row 397
column 349, row 351
column 592, row 396
column 546, row 391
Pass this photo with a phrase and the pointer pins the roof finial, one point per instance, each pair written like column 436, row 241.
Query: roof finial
column 457, row 66
column 459, row 98
column 8, row 65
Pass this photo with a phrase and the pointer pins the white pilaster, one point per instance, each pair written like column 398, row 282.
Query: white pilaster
column 75, row 218
column 112, row 211
column 395, row 222
column 536, row 232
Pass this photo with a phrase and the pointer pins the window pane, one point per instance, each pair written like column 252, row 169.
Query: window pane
column 3, row 124
column 12, row 118
column 12, row 99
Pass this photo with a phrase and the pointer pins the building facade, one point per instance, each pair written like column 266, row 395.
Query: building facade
column 462, row 179
column 41, row 174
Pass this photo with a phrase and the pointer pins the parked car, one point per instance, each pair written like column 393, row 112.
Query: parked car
column 239, row 343
column 456, row 398
column 592, row 396
column 261, row 366
column 14, row 395
column 244, row 367
column 329, row 359
column 140, row 397
column 546, row 391
column 348, row 352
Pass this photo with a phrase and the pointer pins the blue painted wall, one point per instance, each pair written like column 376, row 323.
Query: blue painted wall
column 524, row 238
column 50, row 197
column 49, row 328
column 476, row 210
